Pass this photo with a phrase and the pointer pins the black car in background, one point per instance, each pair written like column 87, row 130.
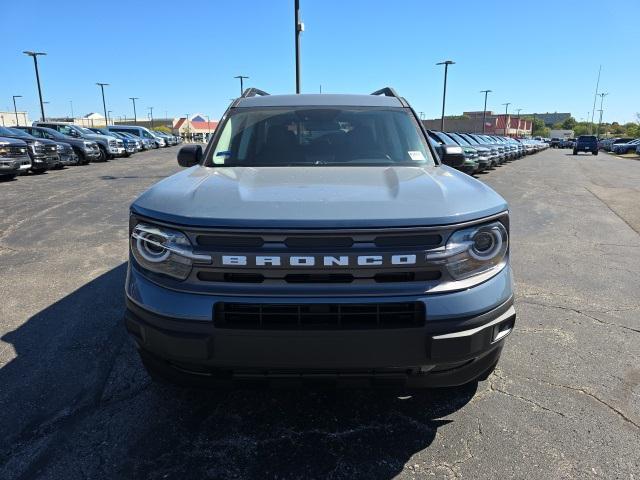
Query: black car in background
column 484, row 153
column 86, row 150
column 586, row 143
column 13, row 156
column 43, row 153
column 441, row 141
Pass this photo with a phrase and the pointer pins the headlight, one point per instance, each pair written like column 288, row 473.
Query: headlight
column 88, row 144
column 164, row 250
column 473, row 251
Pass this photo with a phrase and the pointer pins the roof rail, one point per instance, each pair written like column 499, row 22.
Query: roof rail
column 387, row 92
column 390, row 92
column 252, row 92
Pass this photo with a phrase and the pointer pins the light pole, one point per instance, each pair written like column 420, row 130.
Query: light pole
column 518, row 127
column 46, row 103
column 299, row 28
column 506, row 114
column 104, row 104
column 602, row 95
column 208, row 127
column 446, row 64
column 15, row 110
column 186, row 117
column 135, row 115
column 595, row 97
column 109, row 112
column 484, row 112
column 2, row 117
column 35, row 63
column 151, row 115
column 241, row 77
column 71, row 103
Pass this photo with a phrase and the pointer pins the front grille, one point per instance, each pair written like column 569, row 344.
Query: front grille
column 387, row 277
column 322, row 258
column 16, row 151
column 319, row 316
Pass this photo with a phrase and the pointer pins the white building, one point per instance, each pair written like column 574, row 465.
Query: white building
column 8, row 119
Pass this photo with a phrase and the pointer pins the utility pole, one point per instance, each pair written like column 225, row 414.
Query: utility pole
column 151, row 115
column 35, row 63
column 602, row 95
column 71, row 103
column 104, row 104
column 241, row 77
column 518, row 127
column 484, row 112
column 446, row 64
column 320, row 88
column 15, row 110
column 208, row 127
column 186, row 117
column 595, row 96
column 299, row 28
column 109, row 112
column 135, row 115
column 506, row 114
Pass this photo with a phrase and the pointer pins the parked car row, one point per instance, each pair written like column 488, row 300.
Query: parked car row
column 483, row 152
column 53, row 145
column 621, row 146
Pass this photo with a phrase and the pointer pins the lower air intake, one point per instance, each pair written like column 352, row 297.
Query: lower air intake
column 318, row 316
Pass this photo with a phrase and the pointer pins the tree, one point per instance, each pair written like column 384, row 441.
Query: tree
column 539, row 128
column 569, row 123
column 581, row 128
column 162, row 128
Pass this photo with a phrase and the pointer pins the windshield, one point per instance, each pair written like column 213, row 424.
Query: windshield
column 14, row 132
column 86, row 131
column 347, row 136
column 459, row 139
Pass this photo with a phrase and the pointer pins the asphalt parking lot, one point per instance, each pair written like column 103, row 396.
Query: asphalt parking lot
column 564, row 402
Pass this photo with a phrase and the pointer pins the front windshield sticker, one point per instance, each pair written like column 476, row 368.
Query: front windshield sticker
column 416, row 155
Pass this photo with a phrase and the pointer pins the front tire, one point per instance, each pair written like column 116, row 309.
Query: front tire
column 103, row 154
column 595, row 153
column 575, row 152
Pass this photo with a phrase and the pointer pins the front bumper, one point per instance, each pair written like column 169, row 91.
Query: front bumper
column 9, row 166
column 462, row 337
column 117, row 151
column 44, row 162
column 69, row 158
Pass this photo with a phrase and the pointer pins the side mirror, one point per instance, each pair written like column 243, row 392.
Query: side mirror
column 189, row 155
column 453, row 155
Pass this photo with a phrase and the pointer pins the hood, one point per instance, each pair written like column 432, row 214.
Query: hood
column 29, row 141
column 97, row 137
column 10, row 141
column 322, row 197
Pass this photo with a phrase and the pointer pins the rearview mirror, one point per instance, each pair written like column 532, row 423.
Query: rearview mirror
column 189, row 155
column 452, row 155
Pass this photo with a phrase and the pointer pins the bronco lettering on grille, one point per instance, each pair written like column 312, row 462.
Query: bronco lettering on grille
column 315, row 260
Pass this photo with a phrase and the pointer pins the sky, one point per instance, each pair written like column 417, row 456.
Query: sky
column 181, row 57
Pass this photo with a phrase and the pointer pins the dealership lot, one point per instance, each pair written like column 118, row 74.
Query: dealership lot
column 563, row 403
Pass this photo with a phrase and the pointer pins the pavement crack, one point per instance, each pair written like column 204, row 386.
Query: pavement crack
column 494, row 388
column 582, row 312
column 583, row 391
column 613, row 211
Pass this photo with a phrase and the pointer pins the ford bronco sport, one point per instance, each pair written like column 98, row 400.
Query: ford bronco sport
column 319, row 237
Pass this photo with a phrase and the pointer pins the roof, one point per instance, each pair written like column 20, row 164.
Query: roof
column 319, row 100
column 203, row 125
